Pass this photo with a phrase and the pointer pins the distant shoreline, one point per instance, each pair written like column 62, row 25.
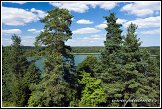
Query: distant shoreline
column 86, row 46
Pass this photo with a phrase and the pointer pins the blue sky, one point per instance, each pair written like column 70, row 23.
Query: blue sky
column 88, row 24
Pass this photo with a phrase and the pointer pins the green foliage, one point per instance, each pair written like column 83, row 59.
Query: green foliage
column 36, row 99
column 6, row 73
column 8, row 104
column 110, row 54
column 140, row 72
column 94, row 49
column 125, row 70
column 57, row 87
column 31, row 51
column 17, row 77
column 32, row 75
column 56, row 27
column 110, row 70
column 88, row 64
column 19, row 64
column 49, row 94
column 93, row 94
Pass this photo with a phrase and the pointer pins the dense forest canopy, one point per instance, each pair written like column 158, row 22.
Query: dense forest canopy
column 125, row 71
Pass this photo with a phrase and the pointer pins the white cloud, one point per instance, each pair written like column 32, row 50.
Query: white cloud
column 101, row 26
column 83, row 21
column 96, row 37
column 12, row 31
column 34, row 30
column 93, row 37
column 141, row 9
column 82, row 7
column 121, row 21
column 107, row 5
column 145, row 22
column 6, row 41
column 28, row 40
column 18, row 2
column 86, row 30
column 142, row 12
column 73, row 19
column 25, row 40
column 71, row 6
column 151, row 32
column 39, row 13
column 17, row 16
column 93, row 40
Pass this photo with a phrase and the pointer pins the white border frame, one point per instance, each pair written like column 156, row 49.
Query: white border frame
column 83, row 2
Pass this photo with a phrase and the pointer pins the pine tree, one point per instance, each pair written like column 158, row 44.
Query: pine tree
column 31, row 78
column 32, row 75
column 110, row 68
column 58, row 84
column 88, row 65
column 110, row 54
column 19, row 64
column 133, row 68
column 113, row 39
column 17, row 71
column 138, row 71
column 6, row 74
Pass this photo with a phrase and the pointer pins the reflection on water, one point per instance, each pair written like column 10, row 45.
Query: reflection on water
column 78, row 58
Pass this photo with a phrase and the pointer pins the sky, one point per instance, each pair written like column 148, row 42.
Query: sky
column 88, row 23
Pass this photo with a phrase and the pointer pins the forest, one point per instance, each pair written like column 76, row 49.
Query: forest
column 125, row 75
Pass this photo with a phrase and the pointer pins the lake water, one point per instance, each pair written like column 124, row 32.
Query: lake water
column 78, row 58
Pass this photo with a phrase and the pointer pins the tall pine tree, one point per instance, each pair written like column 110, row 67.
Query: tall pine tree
column 58, row 84
column 19, row 66
column 133, row 70
column 110, row 60
column 140, row 72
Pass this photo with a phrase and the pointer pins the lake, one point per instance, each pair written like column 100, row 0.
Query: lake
column 78, row 58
